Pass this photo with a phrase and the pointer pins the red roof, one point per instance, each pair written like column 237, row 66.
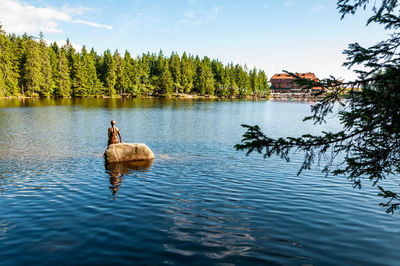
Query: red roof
column 308, row 75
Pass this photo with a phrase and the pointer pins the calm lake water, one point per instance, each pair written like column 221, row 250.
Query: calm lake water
column 199, row 202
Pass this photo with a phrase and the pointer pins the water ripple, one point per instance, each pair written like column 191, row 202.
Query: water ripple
column 200, row 202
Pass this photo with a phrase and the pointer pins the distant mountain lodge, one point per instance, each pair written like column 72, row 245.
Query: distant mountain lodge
column 284, row 83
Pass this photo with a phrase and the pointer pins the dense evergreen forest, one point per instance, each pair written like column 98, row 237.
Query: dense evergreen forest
column 29, row 67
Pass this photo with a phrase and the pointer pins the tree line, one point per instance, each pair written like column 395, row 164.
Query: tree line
column 30, row 67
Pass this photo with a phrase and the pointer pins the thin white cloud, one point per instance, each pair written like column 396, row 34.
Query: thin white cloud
column 93, row 24
column 18, row 17
column 76, row 10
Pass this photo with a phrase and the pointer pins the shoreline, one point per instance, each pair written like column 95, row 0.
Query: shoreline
column 184, row 96
column 173, row 96
column 294, row 97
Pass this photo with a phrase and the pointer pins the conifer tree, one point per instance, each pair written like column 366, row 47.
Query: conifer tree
column 233, row 88
column 226, row 82
column 8, row 66
column 205, row 78
column 33, row 69
column 93, row 80
column 63, row 81
column 263, row 80
column 144, row 72
column 54, row 46
column 46, row 82
column 53, row 54
column 186, row 74
column 134, row 75
column 80, row 82
column 130, row 73
column 121, row 81
column 22, row 45
column 242, row 80
column 109, row 73
column 254, row 82
column 70, row 52
column 197, row 81
column 100, row 71
column 208, row 77
column 175, row 68
column 218, row 72
column 165, row 81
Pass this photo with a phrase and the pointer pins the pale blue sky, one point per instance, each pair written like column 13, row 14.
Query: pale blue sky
column 273, row 35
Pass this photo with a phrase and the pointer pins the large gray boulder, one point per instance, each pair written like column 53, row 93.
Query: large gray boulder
column 126, row 152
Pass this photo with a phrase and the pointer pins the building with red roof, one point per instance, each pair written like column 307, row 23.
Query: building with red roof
column 284, row 83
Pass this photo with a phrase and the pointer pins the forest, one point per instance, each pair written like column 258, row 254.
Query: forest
column 29, row 67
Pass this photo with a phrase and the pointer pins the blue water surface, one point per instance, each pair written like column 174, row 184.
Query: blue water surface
column 200, row 202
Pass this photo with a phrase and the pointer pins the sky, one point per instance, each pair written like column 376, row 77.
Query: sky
column 272, row 35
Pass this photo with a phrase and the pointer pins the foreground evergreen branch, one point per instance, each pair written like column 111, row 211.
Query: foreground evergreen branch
column 368, row 146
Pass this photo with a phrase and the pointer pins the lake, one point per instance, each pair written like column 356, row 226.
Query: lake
column 200, row 201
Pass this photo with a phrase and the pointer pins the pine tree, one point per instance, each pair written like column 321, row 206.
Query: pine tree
column 218, row 72
column 146, row 87
column 134, row 75
column 8, row 66
column 121, row 81
column 70, row 52
column 33, row 69
column 109, row 73
column 263, row 80
column 129, row 72
column 254, row 82
column 53, row 53
column 165, row 81
column 186, row 74
column 55, row 48
column 205, row 79
column 157, row 65
column 223, row 84
column 242, row 80
column 21, row 54
column 101, row 72
column 233, row 88
column 46, row 82
column 63, row 81
column 80, row 82
column 93, row 80
column 175, row 68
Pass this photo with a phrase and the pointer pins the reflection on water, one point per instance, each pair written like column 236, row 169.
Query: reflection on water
column 201, row 202
column 105, row 103
column 116, row 171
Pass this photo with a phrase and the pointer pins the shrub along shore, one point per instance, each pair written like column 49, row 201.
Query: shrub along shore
column 31, row 68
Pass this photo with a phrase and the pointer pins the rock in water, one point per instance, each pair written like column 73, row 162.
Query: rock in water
column 126, row 152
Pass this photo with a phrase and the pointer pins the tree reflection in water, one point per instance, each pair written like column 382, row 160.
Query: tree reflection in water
column 116, row 171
